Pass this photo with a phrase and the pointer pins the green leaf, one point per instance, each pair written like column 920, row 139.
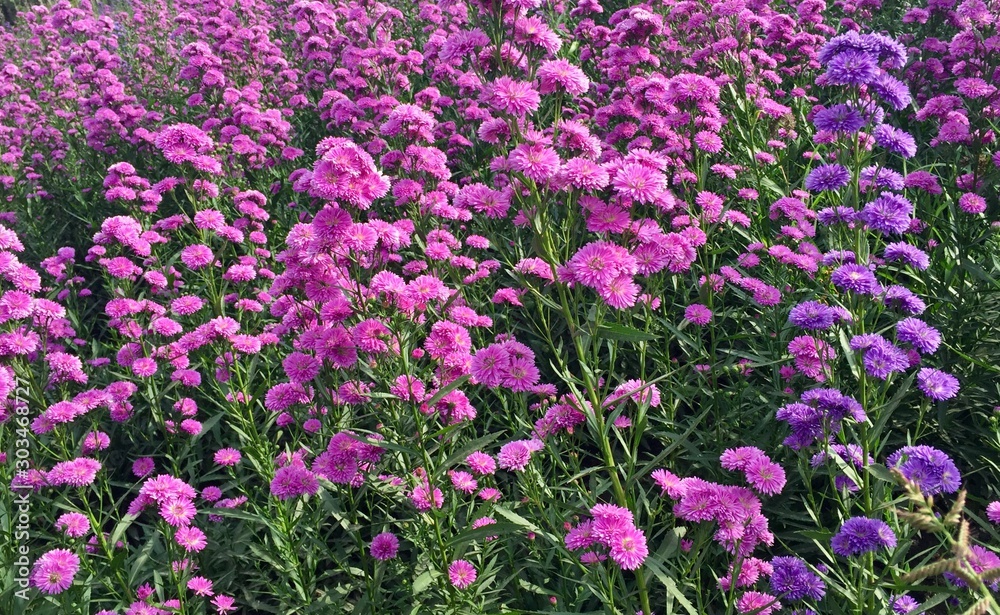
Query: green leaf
column 622, row 333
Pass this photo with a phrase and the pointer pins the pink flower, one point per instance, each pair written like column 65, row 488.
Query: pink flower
column 79, row 472
column 424, row 497
column 223, row 604
column 461, row 573
column 560, row 75
column 53, row 572
column 462, row 481
column 300, row 367
column 600, row 263
column 144, row 367
column 178, row 512
column 698, row 314
column 197, row 256
column 536, row 162
column 514, row 456
column 741, row 457
column 191, row 538
column 514, row 97
column 639, row 182
column 200, row 586
column 481, row 463
column 74, row 524
column 993, row 512
column 628, row 548
column 757, row 603
column 765, row 476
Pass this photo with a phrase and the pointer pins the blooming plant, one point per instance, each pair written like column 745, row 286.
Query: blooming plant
column 499, row 306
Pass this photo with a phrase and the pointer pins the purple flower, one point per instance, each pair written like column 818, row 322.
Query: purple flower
column 860, row 535
column 818, row 416
column 839, row 118
column 812, row 315
column 903, row 299
column 384, row 546
column 936, row 384
column 851, row 67
column 888, row 214
column 931, row 469
column 829, row 216
column 904, row 252
column 895, row 140
column 882, row 359
column 292, row 481
column 901, row 605
column 922, row 336
column 856, row 278
column 827, row 177
column 893, row 91
column 792, row 579
column 979, row 560
column 881, row 177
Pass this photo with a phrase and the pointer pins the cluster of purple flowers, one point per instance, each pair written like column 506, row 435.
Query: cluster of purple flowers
column 931, row 469
column 860, row 535
column 818, row 416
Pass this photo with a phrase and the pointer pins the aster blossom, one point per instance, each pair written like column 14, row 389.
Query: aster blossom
column 860, row 535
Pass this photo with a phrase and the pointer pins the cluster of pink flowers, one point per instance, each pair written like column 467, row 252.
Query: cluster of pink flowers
column 613, row 528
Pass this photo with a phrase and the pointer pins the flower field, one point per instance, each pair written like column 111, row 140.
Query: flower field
column 500, row 306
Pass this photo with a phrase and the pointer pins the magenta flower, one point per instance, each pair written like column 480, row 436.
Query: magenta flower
column 698, row 314
column 54, row 571
column 200, row 586
column 384, row 546
column 628, row 548
column 74, row 524
column 461, row 573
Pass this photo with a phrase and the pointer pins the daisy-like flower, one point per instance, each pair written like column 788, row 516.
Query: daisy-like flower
column 514, row 97
column 481, row 463
column 223, row 604
column 639, row 182
column 765, row 476
column 384, row 546
column 200, row 586
column 292, row 481
column 54, row 571
column 463, row 481
column 560, row 75
column 757, row 603
column 936, row 384
column 993, row 512
column 227, row 457
column 628, row 548
column 78, row 472
column 178, row 512
column 922, row 336
column 827, row 177
column 461, row 573
column 191, row 538
column 698, row 314
column 537, row 162
column 74, row 524
column 514, row 456
column 741, row 457
column 859, row 535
